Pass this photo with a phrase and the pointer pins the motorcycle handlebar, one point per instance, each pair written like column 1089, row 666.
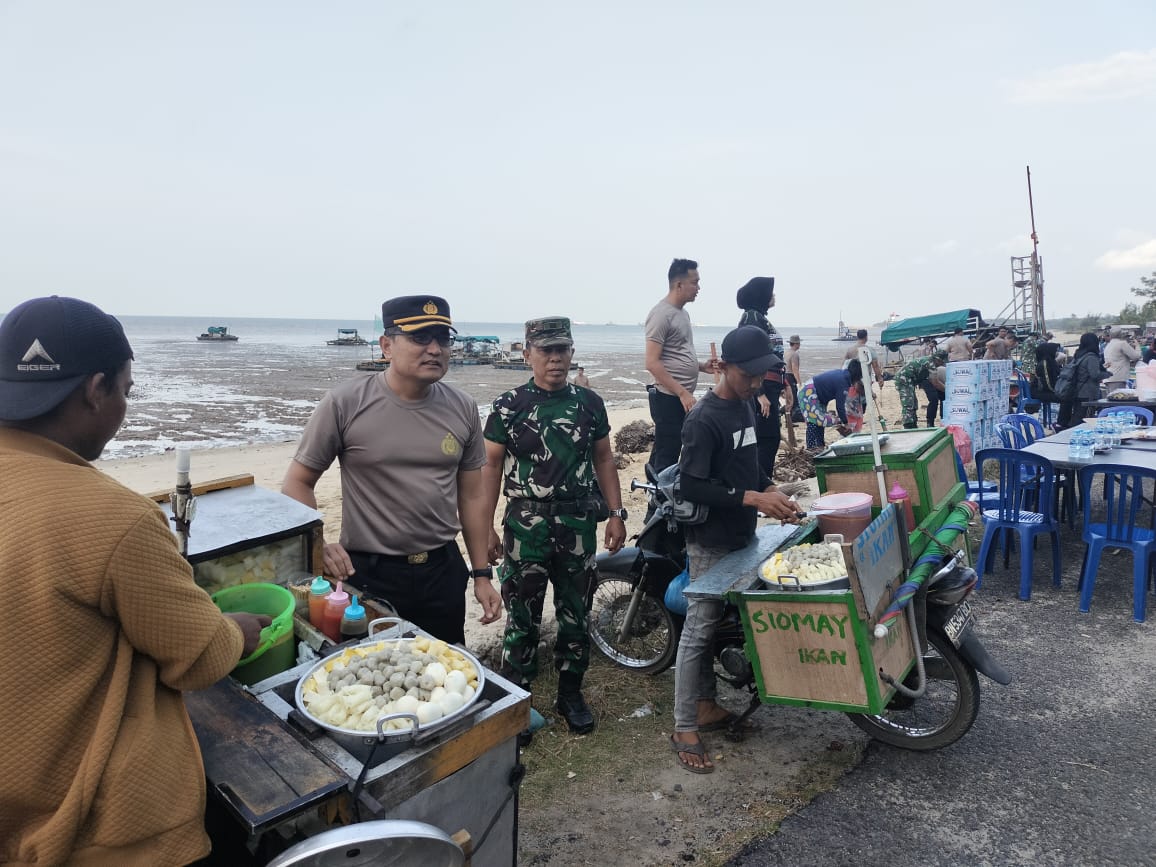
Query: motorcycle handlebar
column 636, row 485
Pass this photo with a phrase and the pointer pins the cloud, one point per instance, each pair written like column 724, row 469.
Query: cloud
column 1132, row 259
column 1124, row 75
column 1020, row 245
column 943, row 248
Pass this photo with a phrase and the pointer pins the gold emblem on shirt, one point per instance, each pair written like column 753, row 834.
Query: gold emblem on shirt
column 430, row 308
column 450, row 445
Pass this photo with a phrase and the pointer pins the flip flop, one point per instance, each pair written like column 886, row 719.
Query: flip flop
column 698, row 749
column 719, row 724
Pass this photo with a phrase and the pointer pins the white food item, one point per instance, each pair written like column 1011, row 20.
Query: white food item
column 406, row 704
column 455, row 682
column 428, row 712
column 362, row 684
column 450, row 702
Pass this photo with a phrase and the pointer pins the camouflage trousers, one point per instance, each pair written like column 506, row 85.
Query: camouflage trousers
column 907, row 400
column 541, row 550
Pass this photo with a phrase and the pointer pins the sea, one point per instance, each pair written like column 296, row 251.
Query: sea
column 263, row 387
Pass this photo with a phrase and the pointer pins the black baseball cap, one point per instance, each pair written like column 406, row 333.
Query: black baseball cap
column 415, row 312
column 749, row 347
column 48, row 346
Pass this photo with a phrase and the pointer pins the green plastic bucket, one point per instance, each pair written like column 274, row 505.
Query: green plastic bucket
column 275, row 652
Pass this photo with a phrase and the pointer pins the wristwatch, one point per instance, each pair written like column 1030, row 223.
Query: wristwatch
column 618, row 513
column 487, row 572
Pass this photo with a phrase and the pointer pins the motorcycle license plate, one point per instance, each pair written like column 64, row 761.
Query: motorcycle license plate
column 959, row 622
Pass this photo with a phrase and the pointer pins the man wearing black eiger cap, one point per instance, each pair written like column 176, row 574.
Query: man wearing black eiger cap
column 411, row 454
column 99, row 763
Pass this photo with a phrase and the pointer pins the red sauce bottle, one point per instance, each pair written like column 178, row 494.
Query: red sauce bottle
column 318, row 591
column 335, row 605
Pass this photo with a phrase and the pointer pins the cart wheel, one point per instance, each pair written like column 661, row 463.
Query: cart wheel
column 940, row 717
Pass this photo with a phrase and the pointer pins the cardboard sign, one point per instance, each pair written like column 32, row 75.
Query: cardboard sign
column 815, row 651
column 878, row 556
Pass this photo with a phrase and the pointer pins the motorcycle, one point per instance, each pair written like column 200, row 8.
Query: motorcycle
column 935, row 705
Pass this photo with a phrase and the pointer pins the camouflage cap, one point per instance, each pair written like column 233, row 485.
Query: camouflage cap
column 549, row 331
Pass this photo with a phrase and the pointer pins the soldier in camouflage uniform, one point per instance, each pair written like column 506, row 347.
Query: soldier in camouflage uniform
column 547, row 441
column 914, row 374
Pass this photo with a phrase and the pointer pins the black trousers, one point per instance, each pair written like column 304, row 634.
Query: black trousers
column 934, row 403
column 667, row 414
column 769, row 430
column 430, row 594
column 1067, row 411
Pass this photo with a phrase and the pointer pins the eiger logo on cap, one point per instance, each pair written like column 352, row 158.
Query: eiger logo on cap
column 37, row 351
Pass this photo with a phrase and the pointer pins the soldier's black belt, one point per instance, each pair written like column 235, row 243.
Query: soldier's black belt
column 550, row 508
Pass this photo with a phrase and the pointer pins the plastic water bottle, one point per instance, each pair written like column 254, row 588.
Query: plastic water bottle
column 1087, row 445
column 1075, row 452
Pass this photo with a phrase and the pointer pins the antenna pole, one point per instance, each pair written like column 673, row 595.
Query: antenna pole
column 1037, row 270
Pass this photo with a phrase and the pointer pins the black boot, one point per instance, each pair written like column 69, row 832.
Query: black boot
column 572, row 705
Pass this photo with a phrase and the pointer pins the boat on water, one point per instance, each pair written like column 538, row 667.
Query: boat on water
column 512, row 359
column 217, row 334
column 348, row 337
column 476, row 349
column 844, row 334
column 374, row 364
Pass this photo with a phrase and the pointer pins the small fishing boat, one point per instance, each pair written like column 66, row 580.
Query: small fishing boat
column 844, row 334
column 474, row 349
column 217, row 334
column 374, row 364
column 348, row 337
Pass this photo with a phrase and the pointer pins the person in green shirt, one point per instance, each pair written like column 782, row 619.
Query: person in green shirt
column 546, row 443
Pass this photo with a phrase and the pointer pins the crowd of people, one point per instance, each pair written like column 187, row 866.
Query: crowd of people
column 133, row 629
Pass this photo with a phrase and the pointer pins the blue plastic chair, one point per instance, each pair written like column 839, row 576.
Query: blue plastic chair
column 1138, row 411
column 1028, row 426
column 980, row 491
column 1123, row 499
column 1017, row 430
column 1010, row 436
column 1025, row 507
column 1025, row 403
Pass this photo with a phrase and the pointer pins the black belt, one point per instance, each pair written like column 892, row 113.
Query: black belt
column 413, row 559
column 554, row 507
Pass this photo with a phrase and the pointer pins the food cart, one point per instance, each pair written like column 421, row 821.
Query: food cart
column 276, row 777
column 841, row 645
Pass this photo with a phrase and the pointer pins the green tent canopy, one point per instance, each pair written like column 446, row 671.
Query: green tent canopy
column 937, row 325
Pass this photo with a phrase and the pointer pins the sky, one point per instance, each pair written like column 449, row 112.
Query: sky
column 310, row 159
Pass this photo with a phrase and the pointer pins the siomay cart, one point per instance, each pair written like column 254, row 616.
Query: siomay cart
column 274, row 777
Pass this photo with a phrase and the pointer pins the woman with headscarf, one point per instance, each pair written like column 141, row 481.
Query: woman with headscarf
column 755, row 299
column 845, row 387
column 1084, row 384
column 1047, row 369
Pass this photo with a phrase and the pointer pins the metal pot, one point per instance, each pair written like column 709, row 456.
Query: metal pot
column 375, row 844
column 359, row 742
column 789, row 583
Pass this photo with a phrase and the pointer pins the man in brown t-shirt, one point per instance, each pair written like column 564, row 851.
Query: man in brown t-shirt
column 411, row 454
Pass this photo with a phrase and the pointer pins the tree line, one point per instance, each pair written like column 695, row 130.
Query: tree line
column 1133, row 313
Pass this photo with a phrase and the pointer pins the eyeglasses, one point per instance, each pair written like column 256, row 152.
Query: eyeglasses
column 425, row 337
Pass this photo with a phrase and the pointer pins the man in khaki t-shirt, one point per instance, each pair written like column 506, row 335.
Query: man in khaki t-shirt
column 672, row 361
column 411, row 454
column 958, row 347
